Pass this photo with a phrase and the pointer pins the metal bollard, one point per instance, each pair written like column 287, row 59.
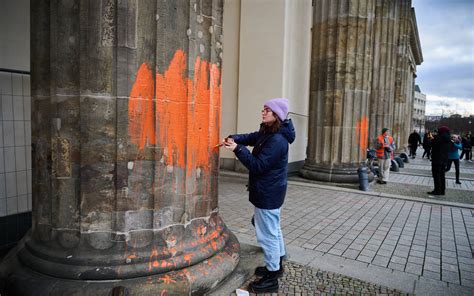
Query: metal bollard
column 405, row 157
column 399, row 160
column 363, row 178
column 394, row 166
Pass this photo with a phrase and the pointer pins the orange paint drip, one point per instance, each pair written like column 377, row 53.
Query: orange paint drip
column 362, row 133
column 141, row 126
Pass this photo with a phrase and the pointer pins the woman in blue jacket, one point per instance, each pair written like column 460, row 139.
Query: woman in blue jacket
column 268, row 167
column 453, row 155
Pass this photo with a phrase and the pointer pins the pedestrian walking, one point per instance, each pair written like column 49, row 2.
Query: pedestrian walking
column 414, row 140
column 466, row 147
column 384, row 147
column 453, row 155
column 268, row 167
column 439, row 159
column 427, row 138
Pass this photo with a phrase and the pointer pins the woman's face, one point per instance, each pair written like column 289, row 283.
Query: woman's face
column 268, row 117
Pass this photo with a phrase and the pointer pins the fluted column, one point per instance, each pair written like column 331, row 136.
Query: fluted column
column 382, row 95
column 341, row 68
column 403, row 78
column 126, row 104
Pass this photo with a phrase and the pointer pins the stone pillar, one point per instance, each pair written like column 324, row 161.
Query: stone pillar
column 384, row 65
column 126, row 104
column 341, row 68
column 403, row 76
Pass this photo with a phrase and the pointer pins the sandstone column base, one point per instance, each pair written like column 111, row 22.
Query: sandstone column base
column 331, row 173
column 193, row 280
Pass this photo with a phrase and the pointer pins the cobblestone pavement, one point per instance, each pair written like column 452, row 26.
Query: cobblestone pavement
column 304, row 281
column 414, row 240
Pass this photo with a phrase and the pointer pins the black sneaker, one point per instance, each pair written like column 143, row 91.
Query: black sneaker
column 263, row 271
column 457, row 182
column 266, row 284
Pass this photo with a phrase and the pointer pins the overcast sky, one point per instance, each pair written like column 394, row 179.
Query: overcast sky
column 446, row 76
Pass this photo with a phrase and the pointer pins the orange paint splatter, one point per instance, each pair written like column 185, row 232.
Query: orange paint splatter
column 168, row 279
column 362, row 133
column 141, row 127
column 187, row 112
column 153, row 260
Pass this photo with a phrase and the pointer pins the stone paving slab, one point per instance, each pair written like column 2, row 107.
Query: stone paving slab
column 401, row 236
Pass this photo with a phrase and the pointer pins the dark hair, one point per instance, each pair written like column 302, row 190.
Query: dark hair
column 271, row 128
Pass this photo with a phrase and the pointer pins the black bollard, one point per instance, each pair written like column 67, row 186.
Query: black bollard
column 363, row 178
column 394, row 167
column 399, row 161
column 404, row 157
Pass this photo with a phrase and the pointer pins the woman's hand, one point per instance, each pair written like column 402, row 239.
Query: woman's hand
column 229, row 144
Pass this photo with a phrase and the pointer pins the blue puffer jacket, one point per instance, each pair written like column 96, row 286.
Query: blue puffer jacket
column 267, row 164
column 453, row 152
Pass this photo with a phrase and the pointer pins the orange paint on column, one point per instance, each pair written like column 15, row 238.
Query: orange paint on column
column 198, row 118
column 215, row 100
column 171, row 109
column 141, row 127
column 362, row 132
column 187, row 112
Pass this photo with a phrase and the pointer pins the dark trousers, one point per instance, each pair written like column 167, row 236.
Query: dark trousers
column 427, row 152
column 413, row 148
column 439, row 178
column 456, row 167
column 468, row 153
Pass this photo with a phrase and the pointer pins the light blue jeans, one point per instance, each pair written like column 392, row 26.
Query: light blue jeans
column 269, row 236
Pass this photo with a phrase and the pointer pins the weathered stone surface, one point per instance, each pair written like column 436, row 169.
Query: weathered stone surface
column 126, row 104
column 341, row 70
column 364, row 57
column 382, row 95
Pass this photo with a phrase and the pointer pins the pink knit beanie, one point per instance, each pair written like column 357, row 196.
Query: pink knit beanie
column 279, row 106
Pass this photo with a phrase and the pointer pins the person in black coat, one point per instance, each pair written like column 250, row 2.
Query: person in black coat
column 414, row 140
column 268, row 168
column 467, row 147
column 439, row 159
column 427, row 138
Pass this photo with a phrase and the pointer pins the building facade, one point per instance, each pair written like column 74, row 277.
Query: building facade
column 419, row 107
column 347, row 67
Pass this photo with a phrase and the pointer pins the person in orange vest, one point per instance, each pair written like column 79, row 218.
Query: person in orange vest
column 384, row 149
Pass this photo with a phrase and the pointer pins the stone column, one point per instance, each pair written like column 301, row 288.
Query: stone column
column 126, row 104
column 402, row 78
column 384, row 65
column 341, row 68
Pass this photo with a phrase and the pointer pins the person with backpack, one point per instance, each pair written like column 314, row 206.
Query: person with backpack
column 384, row 147
column 453, row 155
column 268, row 168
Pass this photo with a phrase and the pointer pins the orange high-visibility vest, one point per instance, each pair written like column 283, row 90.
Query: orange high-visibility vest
column 380, row 151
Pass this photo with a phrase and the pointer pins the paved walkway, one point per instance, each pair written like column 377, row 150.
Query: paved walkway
column 418, row 172
column 410, row 244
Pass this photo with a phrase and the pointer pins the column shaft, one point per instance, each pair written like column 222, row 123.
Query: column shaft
column 341, row 69
column 126, row 104
column 384, row 67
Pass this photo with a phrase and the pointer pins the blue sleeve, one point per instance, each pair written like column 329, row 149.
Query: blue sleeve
column 267, row 158
column 458, row 145
column 246, row 139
